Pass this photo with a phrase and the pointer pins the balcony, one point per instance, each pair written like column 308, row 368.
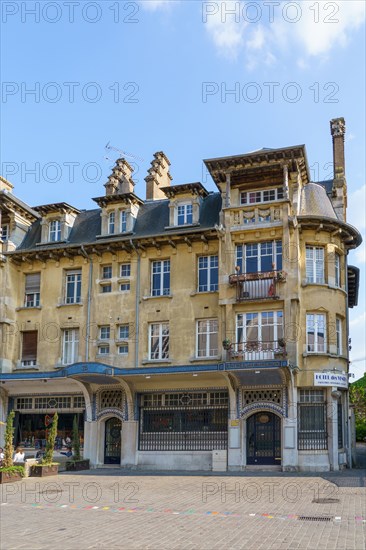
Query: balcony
column 256, row 351
column 263, row 285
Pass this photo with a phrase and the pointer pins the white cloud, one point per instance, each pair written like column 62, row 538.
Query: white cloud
column 302, row 28
column 360, row 319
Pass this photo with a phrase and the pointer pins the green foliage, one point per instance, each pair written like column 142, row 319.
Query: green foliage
column 14, row 470
column 8, row 448
column 50, row 445
column 75, row 439
column 357, row 392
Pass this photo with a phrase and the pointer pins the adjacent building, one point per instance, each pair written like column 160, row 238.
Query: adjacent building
column 190, row 329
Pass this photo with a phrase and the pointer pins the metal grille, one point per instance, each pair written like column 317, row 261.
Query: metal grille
column 340, row 425
column 182, row 425
column 312, row 433
column 111, row 398
column 253, row 396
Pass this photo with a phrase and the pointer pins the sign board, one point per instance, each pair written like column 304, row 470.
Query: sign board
column 234, row 423
column 331, row 379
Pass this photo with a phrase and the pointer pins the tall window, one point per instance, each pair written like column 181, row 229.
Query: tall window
column 160, row 278
column 184, row 214
column 257, row 257
column 123, row 334
column 32, row 289
column 208, row 273
column 207, row 338
column 107, row 272
column 4, row 232
column 316, row 336
column 123, row 222
column 159, row 341
column 111, row 223
column 105, row 332
column 339, row 335
column 315, row 264
column 312, row 433
column 337, row 270
column 265, row 327
column 73, row 287
column 29, row 348
column 55, row 231
column 70, row 349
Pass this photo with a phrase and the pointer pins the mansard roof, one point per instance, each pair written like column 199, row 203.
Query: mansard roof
column 315, row 202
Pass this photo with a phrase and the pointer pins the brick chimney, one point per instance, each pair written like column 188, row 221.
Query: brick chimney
column 158, row 177
column 339, row 193
column 120, row 181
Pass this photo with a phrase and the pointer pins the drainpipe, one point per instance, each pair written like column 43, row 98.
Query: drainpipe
column 137, row 304
column 90, row 281
column 347, row 418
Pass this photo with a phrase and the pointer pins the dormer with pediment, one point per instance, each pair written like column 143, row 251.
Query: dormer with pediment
column 184, row 203
column 15, row 218
column 57, row 221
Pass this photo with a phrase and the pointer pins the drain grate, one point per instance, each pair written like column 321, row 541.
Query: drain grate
column 315, row 518
column 326, row 500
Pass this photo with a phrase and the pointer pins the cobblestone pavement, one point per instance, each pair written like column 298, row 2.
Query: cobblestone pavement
column 107, row 509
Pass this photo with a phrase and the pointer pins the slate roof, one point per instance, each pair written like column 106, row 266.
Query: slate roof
column 315, row 202
column 328, row 186
column 152, row 220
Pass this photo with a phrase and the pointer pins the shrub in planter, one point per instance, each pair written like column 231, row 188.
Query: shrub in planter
column 76, row 463
column 9, row 472
column 47, row 467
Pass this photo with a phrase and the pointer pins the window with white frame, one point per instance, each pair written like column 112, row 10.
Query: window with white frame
column 123, row 222
column 267, row 195
column 264, row 328
column 339, row 335
column 73, row 287
column 111, row 223
column 106, row 272
column 259, row 257
column 160, row 278
column 55, row 231
column 316, row 337
column 158, row 341
column 312, row 433
column 103, row 349
column 4, row 232
column 315, row 264
column 208, row 273
column 184, row 214
column 104, row 332
column 207, row 338
column 337, row 270
column 70, row 347
column 124, row 332
column 29, row 348
column 125, row 287
column 123, row 349
column 125, row 270
column 32, row 289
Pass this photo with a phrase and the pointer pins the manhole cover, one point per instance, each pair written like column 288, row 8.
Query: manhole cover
column 326, row 500
column 315, row 518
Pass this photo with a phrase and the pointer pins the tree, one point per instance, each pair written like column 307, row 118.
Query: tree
column 357, row 393
column 75, row 439
column 51, row 438
column 8, row 448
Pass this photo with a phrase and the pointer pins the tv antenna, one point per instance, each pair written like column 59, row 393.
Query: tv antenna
column 110, row 147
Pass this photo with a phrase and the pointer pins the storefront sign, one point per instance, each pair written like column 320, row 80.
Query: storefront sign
column 330, row 379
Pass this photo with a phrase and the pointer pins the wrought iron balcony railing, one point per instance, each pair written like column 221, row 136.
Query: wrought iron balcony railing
column 255, row 351
column 262, row 285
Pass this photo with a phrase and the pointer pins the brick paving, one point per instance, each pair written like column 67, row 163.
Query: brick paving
column 112, row 509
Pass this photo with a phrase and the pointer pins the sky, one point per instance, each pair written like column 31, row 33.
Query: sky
column 193, row 79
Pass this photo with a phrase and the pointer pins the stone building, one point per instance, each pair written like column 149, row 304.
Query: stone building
column 191, row 329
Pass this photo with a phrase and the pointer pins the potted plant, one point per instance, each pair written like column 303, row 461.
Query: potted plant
column 281, row 276
column 9, row 472
column 76, row 463
column 281, row 352
column 226, row 344
column 47, row 467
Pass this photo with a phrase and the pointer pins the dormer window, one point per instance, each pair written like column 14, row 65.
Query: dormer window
column 55, row 231
column 4, row 235
column 184, row 214
column 111, row 223
column 123, row 222
column 267, row 195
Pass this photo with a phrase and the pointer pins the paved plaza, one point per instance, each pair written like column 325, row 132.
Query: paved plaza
column 111, row 508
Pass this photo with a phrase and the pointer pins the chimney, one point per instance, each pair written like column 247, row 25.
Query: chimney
column 158, row 177
column 5, row 185
column 120, row 181
column 339, row 192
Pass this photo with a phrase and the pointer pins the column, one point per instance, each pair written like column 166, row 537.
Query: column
column 129, row 443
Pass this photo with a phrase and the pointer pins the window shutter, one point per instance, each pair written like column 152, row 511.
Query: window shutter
column 29, row 351
column 32, row 283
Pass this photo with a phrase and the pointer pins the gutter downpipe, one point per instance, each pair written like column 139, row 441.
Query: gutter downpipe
column 347, row 406
column 137, row 304
column 90, row 280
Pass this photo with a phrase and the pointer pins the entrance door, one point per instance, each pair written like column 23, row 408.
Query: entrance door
column 264, row 439
column 112, row 446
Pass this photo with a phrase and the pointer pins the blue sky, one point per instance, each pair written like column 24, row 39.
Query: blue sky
column 157, row 75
